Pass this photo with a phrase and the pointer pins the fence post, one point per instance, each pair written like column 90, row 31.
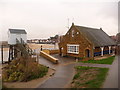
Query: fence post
column 41, row 47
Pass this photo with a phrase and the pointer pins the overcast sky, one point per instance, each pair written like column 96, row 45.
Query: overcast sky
column 45, row 18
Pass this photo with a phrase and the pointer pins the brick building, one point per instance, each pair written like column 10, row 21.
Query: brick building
column 85, row 42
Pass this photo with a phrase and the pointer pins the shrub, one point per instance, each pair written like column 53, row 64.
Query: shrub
column 23, row 69
column 76, row 76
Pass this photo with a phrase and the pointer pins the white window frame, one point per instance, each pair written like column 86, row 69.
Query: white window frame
column 73, row 48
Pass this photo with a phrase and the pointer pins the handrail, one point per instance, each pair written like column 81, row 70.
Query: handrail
column 17, row 41
column 24, row 47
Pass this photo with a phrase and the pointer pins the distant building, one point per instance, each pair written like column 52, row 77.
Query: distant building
column 51, row 40
column 85, row 42
column 16, row 34
column 55, row 39
column 29, row 41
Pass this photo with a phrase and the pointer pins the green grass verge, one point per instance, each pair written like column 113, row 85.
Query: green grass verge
column 89, row 77
column 108, row 60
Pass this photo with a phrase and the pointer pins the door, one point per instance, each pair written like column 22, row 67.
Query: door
column 87, row 52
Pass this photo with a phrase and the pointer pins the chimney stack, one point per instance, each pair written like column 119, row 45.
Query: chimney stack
column 72, row 24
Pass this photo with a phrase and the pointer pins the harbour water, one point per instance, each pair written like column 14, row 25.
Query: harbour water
column 5, row 56
column 35, row 48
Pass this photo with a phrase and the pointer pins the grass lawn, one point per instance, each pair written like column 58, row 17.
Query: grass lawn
column 108, row 60
column 89, row 77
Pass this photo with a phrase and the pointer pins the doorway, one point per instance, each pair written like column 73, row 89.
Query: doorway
column 87, row 53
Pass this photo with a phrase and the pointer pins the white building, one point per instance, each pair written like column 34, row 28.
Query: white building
column 18, row 34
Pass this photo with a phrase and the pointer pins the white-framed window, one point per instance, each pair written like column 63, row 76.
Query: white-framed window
column 73, row 48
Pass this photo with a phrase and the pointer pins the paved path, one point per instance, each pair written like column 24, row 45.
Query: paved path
column 62, row 77
column 64, row 71
column 93, row 65
column 112, row 78
column 67, row 60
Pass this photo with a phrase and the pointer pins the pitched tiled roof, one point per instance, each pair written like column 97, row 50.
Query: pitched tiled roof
column 97, row 36
column 18, row 31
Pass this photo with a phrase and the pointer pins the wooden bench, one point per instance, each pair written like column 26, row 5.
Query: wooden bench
column 49, row 57
column 54, row 51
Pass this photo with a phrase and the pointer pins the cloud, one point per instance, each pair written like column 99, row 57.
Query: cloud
column 43, row 19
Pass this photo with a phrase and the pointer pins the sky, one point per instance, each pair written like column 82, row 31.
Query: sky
column 119, row 17
column 46, row 18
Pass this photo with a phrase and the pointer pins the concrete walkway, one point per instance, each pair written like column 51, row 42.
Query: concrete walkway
column 112, row 78
column 62, row 77
column 66, row 60
column 64, row 71
column 93, row 65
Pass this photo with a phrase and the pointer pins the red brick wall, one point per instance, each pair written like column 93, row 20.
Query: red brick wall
column 78, row 38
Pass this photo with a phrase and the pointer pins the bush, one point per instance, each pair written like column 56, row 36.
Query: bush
column 23, row 69
column 76, row 76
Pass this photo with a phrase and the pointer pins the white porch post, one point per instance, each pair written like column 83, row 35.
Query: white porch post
column 109, row 48
column 62, row 52
column 102, row 50
column 113, row 50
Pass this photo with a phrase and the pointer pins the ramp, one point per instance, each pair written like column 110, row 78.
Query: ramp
column 49, row 57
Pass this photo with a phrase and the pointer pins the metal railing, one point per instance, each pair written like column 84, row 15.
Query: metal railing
column 24, row 48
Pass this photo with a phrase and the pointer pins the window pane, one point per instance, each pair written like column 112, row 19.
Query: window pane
column 73, row 49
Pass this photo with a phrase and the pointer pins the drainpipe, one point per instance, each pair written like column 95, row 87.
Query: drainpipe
column 102, row 50
column 109, row 48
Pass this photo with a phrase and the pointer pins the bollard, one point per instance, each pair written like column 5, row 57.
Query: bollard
column 76, row 59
